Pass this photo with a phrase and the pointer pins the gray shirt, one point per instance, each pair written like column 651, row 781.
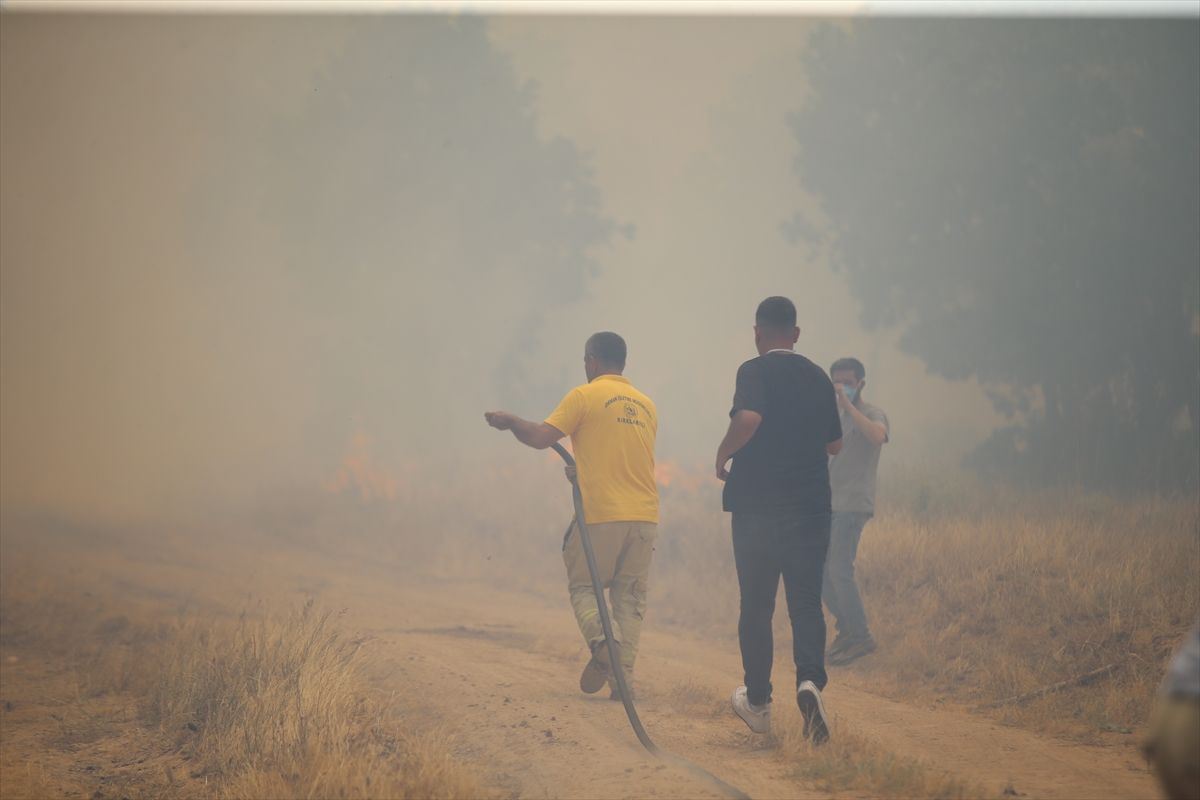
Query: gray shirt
column 852, row 471
column 1183, row 675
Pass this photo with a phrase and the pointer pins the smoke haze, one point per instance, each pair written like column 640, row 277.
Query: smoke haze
column 238, row 251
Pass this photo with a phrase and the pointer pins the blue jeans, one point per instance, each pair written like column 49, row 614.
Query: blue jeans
column 839, row 591
column 767, row 547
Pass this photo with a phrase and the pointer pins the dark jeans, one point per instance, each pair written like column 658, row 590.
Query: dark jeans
column 841, row 591
column 766, row 546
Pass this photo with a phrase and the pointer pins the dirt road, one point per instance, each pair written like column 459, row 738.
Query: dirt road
column 498, row 671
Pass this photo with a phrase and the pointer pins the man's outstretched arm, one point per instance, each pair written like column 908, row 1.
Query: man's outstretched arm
column 537, row 435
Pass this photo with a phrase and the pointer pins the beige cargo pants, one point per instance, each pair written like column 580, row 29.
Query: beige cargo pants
column 623, row 551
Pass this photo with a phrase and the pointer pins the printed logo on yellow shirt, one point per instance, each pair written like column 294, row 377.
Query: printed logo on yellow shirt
column 631, row 409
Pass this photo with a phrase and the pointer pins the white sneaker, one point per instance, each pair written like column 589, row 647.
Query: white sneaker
column 758, row 718
column 816, row 725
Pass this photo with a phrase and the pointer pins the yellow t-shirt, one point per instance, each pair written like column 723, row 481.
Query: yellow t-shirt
column 612, row 427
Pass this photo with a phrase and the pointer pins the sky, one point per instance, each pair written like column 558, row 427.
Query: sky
column 216, row 280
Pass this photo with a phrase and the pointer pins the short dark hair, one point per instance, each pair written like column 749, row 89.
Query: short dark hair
column 606, row 347
column 848, row 363
column 777, row 313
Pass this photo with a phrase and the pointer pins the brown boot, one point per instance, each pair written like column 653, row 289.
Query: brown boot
column 595, row 674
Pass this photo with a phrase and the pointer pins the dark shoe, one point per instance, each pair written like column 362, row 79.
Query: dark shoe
column 816, row 725
column 852, row 652
column 595, row 674
column 836, row 645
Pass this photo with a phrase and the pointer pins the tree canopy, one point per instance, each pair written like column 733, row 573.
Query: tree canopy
column 417, row 211
column 1022, row 198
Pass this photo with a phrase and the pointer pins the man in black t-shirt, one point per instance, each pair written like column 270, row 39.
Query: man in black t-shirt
column 783, row 426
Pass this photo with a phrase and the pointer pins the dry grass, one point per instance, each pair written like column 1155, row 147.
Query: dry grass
column 851, row 762
column 989, row 607
column 278, row 709
column 261, row 706
column 694, row 699
column 28, row 780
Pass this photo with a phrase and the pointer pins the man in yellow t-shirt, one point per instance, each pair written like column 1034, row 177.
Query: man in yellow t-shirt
column 612, row 428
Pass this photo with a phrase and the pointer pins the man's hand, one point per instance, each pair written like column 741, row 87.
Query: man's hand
column 722, row 473
column 843, row 402
column 537, row 435
column 742, row 426
column 876, row 432
column 500, row 420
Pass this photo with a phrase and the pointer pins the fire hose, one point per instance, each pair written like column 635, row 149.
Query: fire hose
column 614, row 657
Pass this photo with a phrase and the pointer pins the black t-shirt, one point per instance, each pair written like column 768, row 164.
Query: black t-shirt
column 784, row 467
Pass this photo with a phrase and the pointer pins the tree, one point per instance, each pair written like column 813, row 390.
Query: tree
column 421, row 224
column 1022, row 198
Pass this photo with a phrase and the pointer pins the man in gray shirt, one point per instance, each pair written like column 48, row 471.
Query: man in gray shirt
column 1172, row 743
column 852, row 479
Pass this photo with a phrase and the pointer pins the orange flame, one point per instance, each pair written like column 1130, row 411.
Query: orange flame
column 359, row 469
column 672, row 473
